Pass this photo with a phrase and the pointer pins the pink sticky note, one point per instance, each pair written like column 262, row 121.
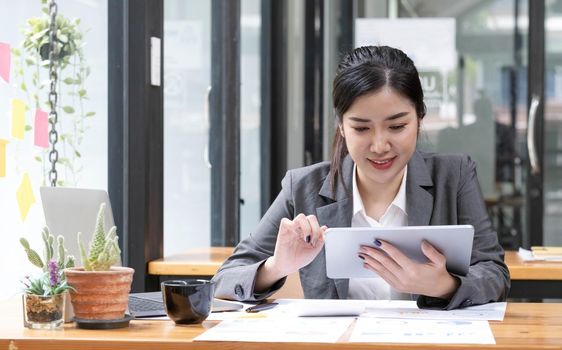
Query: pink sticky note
column 5, row 61
column 41, row 129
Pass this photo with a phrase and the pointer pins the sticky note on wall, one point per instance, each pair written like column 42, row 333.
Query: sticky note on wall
column 18, row 118
column 24, row 196
column 41, row 129
column 3, row 157
column 5, row 61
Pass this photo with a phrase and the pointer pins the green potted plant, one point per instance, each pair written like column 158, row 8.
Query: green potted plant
column 31, row 76
column 100, row 290
column 44, row 295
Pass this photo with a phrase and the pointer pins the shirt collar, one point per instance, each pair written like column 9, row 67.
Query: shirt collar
column 399, row 201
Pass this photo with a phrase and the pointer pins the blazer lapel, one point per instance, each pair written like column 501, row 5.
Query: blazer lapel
column 419, row 201
column 338, row 212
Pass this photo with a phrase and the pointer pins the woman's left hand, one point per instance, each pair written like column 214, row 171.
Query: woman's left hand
column 407, row 276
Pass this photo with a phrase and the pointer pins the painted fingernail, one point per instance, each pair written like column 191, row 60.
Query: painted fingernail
column 307, row 239
column 377, row 243
column 360, row 256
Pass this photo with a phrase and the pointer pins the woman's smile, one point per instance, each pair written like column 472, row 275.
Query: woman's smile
column 382, row 164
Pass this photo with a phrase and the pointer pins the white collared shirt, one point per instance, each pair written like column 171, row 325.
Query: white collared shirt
column 395, row 215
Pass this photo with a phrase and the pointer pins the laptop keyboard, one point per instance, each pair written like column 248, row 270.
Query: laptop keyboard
column 142, row 306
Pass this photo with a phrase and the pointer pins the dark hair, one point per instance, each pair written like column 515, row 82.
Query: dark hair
column 366, row 70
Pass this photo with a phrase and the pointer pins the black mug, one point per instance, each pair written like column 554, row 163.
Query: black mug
column 188, row 301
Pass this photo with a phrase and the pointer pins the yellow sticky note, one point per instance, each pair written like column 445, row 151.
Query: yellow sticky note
column 25, row 196
column 18, row 118
column 3, row 157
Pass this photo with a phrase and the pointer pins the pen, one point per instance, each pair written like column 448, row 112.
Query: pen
column 217, row 311
column 261, row 307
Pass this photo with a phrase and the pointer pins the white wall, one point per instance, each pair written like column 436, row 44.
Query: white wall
column 20, row 154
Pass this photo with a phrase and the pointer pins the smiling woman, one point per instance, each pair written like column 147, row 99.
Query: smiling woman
column 376, row 178
column 380, row 131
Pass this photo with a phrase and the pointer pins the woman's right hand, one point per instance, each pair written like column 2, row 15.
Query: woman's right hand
column 298, row 242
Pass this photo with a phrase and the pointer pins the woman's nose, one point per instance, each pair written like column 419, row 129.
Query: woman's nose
column 380, row 144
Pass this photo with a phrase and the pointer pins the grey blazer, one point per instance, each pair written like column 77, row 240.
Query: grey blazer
column 440, row 190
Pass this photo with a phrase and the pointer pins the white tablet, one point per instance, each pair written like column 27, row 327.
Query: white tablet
column 322, row 307
column 342, row 246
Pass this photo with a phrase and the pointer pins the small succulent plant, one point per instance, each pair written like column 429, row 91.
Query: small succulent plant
column 51, row 281
column 104, row 248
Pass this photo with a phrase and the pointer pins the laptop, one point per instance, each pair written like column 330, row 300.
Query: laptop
column 71, row 210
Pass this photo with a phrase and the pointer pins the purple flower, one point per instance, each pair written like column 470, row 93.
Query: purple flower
column 53, row 273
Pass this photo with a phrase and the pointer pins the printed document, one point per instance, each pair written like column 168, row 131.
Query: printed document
column 298, row 329
column 409, row 309
column 386, row 330
column 383, row 308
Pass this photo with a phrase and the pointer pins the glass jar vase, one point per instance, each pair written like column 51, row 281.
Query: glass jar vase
column 43, row 312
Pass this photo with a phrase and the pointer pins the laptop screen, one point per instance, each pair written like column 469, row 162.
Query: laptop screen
column 72, row 210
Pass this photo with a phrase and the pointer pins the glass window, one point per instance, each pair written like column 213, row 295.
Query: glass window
column 187, row 78
column 475, row 87
column 82, row 116
column 187, row 171
column 250, row 101
column 553, row 126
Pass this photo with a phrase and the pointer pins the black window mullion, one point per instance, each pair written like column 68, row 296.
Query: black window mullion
column 273, row 122
column 224, row 137
column 346, row 23
column 314, row 81
column 536, row 80
column 135, row 137
column 116, row 107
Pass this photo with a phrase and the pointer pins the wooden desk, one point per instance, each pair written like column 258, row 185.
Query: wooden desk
column 532, row 270
column 534, row 279
column 197, row 262
column 526, row 326
column 528, row 279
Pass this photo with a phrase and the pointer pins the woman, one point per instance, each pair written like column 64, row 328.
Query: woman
column 376, row 178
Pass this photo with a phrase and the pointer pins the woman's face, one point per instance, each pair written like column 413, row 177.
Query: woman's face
column 380, row 131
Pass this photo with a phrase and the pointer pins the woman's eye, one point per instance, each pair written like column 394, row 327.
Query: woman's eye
column 398, row 127
column 360, row 129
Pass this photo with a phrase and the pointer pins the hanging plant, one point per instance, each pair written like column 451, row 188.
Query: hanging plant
column 32, row 70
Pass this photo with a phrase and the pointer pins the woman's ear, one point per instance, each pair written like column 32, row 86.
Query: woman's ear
column 341, row 131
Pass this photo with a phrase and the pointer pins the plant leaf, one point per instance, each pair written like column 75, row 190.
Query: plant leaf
column 68, row 109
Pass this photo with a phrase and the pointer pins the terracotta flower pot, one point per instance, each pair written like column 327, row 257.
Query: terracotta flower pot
column 100, row 295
